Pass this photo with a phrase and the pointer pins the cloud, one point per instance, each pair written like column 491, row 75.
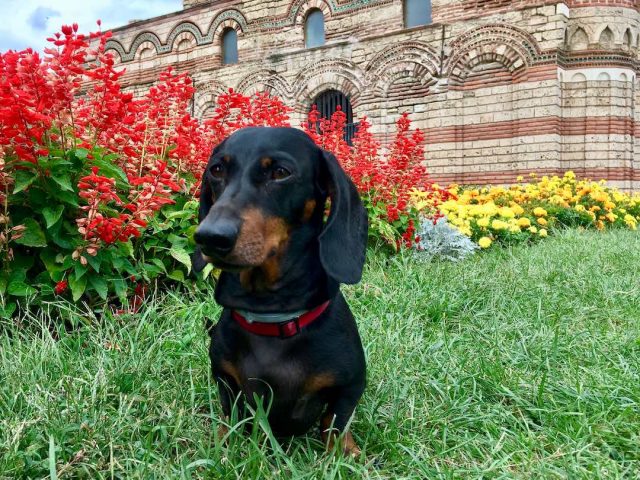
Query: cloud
column 32, row 22
column 40, row 17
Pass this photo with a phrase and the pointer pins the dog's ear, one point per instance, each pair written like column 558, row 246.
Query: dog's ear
column 343, row 241
column 206, row 202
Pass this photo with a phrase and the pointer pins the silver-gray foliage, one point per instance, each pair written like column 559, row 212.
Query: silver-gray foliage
column 441, row 240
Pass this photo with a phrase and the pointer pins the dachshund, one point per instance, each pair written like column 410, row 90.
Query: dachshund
column 286, row 335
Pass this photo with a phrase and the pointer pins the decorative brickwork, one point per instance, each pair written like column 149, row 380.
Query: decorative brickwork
column 501, row 87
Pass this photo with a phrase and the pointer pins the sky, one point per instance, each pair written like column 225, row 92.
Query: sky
column 28, row 23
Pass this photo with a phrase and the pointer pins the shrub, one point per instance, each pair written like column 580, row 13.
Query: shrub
column 84, row 170
column 440, row 240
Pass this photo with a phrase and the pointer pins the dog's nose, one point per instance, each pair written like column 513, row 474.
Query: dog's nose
column 218, row 237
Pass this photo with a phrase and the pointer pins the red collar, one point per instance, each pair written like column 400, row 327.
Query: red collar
column 286, row 329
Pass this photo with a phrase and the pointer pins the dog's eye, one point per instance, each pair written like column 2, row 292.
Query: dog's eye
column 218, row 171
column 280, row 173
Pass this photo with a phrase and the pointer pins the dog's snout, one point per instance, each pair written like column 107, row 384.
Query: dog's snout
column 217, row 237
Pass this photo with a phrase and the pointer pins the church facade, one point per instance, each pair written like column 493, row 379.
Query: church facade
column 501, row 88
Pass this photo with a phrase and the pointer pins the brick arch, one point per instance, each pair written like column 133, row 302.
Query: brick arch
column 411, row 59
column 206, row 96
column 117, row 58
column 300, row 9
column 226, row 19
column 265, row 81
column 144, row 46
column 115, row 46
column 510, row 46
column 180, row 32
column 338, row 74
column 143, row 38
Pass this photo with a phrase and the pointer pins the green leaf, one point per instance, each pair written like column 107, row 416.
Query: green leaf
column 177, row 241
column 4, row 279
column 81, row 153
column 52, row 214
column 177, row 275
column 100, row 286
column 78, row 286
column 182, row 256
column 94, row 262
column 159, row 264
column 65, row 196
column 208, row 268
column 18, row 275
column 33, row 236
column 8, row 310
column 120, row 287
column 110, row 170
column 63, row 179
column 62, row 235
column 80, row 270
column 20, row 289
column 54, row 268
column 23, row 178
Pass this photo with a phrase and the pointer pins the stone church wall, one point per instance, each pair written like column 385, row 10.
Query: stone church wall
column 501, row 88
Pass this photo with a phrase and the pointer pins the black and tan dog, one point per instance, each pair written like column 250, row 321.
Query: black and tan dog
column 286, row 333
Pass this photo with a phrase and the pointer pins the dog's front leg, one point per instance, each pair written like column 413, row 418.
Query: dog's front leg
column 334, row 421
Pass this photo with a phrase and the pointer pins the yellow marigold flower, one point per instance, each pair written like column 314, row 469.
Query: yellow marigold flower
column 611, row 217
column 517, row 209
column 542, row 221
column 580, row 208
column 498, row 225
column 570, row 175
column 519, row 178
column 524, row 222
column 600, row 225
column 631, row 222
column 483, row 222
column 539, row 212
column 485, row 242
column 543, row 233
column 506, row 212
column 609, row 205
column 533, row 230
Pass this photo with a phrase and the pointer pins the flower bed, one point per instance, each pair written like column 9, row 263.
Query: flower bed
column 529, row 211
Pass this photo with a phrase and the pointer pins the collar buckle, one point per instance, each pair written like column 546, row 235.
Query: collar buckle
column 289, row 329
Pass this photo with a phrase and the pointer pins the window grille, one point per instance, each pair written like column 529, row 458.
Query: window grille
column 327, row 104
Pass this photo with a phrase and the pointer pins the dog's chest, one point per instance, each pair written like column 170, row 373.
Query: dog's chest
column 264, row 367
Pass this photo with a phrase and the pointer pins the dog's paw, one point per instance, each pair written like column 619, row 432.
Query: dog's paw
column 348, row 444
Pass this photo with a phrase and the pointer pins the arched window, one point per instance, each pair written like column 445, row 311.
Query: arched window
column 328, row 102
column 229, row 47
column 417, row 12
column 314, row 29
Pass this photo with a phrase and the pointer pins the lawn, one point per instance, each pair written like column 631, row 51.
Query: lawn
column 516, row 363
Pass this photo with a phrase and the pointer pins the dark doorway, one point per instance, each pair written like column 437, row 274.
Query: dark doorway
column 327, row 103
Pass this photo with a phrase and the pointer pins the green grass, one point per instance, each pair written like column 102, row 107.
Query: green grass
column 521, row 363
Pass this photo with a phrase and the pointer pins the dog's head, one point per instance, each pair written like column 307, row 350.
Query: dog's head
column 260, row 187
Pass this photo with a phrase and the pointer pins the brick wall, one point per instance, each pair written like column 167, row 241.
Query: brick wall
column 501, row 87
